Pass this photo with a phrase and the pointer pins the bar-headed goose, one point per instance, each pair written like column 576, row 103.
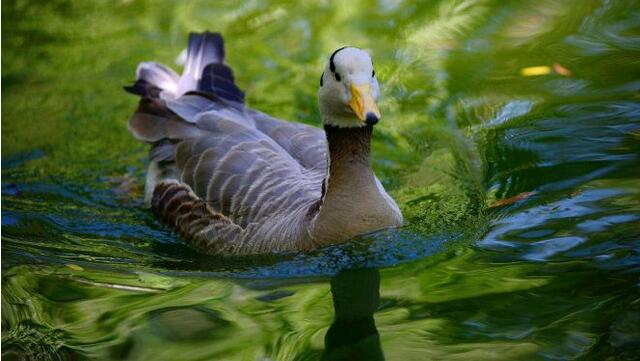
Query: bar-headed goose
column 233, row 180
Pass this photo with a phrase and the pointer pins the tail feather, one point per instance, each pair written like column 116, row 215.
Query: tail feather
column 158, row 75
column 152, row 78
column 218, row 79
column 165, row 114
column 204, row 72
column 203, row 49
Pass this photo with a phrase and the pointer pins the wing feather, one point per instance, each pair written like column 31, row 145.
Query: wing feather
column 242, row 173
column 245, row 164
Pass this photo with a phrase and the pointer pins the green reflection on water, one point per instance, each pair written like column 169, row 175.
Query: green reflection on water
column 88, row 274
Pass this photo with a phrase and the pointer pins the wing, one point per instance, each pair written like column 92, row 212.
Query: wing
column 245, row 164
column 306, row 144
column 242, row 173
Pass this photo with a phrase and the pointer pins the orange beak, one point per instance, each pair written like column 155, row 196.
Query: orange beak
column 363, row 104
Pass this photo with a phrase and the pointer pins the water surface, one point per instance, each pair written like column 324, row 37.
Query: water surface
column 510, row 139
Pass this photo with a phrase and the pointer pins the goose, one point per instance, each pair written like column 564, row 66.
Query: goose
column 231, row 180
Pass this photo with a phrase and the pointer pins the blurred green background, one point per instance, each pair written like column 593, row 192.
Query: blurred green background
column 509, row 138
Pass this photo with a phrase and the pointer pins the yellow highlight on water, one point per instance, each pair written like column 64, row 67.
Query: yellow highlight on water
column 74, row 267
column 535, row 70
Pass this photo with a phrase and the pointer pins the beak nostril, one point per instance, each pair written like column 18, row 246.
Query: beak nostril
column 372, row 119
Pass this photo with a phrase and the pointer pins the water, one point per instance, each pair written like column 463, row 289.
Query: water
column 510, row 137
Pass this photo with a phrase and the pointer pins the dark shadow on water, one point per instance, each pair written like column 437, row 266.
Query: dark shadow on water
column 353, row 334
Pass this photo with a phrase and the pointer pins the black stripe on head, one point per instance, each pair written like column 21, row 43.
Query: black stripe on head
column 321, row 76
column 332, row 66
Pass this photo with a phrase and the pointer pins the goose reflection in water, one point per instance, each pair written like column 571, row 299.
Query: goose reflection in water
column 353, row 334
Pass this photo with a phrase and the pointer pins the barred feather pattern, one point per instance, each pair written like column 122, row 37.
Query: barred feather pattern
column 175, row 204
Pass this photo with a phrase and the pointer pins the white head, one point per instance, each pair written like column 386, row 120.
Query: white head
column 349, row 90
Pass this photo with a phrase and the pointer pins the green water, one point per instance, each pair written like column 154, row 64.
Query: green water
column 482, row 101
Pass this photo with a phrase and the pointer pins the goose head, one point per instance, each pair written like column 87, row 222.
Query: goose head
column 349, row 90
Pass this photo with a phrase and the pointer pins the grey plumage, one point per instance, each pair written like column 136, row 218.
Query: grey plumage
column 229, row 179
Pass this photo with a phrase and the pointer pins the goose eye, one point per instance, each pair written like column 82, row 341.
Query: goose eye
column 373, row 73
column 338, row 76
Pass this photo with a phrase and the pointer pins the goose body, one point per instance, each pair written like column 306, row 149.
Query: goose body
column 233, row 180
